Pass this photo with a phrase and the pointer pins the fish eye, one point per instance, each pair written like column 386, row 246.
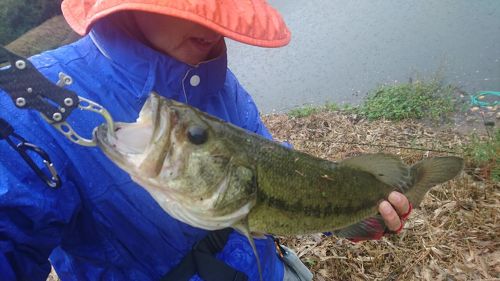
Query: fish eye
column 197, row 135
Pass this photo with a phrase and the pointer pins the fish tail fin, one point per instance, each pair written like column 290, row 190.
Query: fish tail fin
column 243, row 227
column 420, row 178
column 430, row 172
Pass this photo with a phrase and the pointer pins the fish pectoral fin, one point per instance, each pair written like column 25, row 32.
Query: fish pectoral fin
column 243, row 227
column 387, row 168
column 372, row 228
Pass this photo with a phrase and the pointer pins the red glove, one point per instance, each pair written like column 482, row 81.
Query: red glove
column 372, row 228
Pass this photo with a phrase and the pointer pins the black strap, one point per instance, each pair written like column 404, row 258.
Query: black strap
column 29, row 89
column 201, row 259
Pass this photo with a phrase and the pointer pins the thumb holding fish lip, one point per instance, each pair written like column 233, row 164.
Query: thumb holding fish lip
column 395, row 211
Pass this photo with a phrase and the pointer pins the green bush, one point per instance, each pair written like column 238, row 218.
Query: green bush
column 411, row 100
column 416, row 100
column 484, row 154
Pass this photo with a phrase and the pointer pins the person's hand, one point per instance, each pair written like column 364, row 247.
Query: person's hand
column 395, row 212
column 391, row 218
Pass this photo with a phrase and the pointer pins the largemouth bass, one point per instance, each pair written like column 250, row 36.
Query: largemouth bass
column 211, row 174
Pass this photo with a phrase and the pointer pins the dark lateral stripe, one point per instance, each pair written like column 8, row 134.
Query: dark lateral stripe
column 315, row 211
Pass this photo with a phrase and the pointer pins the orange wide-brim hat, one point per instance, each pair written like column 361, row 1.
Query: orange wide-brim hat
column 252, row 22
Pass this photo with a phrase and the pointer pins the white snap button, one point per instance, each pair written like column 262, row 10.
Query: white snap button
column 195, row 80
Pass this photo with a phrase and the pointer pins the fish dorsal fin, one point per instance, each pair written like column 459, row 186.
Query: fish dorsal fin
column 243, row 227
column 387, row 168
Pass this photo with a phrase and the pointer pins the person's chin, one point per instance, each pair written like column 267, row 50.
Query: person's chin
column 193, row 60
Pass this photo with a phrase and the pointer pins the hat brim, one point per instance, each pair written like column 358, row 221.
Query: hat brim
column 251, row 22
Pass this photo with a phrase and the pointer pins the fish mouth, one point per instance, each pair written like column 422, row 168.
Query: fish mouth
column 128, row 143
column 133, row 144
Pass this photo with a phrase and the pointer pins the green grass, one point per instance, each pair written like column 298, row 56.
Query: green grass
column 303, row 111
column 418, row 100
column 308, row 110
column 483, row 154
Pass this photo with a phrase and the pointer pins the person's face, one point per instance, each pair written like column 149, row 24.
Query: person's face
column 185, row 41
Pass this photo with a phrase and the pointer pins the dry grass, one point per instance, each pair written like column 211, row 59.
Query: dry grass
column 454, row 235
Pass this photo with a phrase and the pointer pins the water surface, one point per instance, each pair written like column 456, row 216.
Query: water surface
column 341, row 49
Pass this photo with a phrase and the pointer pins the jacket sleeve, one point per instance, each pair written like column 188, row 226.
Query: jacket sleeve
column 33, row 216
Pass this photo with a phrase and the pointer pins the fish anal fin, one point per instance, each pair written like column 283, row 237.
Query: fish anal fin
column 372, row 228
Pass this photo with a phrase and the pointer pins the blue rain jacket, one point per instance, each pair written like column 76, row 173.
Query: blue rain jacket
column 100, row 225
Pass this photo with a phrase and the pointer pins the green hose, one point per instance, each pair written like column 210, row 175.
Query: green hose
column 475, row 99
